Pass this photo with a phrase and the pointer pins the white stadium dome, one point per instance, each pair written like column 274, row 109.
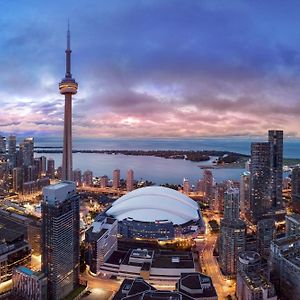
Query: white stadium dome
column 155, row 203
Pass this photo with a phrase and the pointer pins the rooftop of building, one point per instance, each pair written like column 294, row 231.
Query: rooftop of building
column 196, row 285
column 286, row 240
column 59, row 192
column 155, row 203
column 172, row 259
column 294, row 217
column 256, row 280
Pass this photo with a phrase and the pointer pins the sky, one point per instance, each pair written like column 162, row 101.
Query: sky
column 151, row 68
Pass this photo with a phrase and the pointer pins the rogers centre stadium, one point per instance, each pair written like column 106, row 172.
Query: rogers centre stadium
column 157, row 213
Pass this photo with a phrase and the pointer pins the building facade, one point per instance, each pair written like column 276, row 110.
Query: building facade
column 60, row 238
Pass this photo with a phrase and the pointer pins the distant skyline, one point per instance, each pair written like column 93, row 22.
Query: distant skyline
column 152, row 68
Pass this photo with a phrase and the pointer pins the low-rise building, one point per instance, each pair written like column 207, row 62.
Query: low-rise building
column 189, row 286
column 101, row 241
column 292, row 224
column 29, row 285
column 285, row 266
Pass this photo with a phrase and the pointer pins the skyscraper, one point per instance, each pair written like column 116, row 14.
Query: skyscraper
column 87, row 178
column 296, row 189
column 232, row 234
column 12, row 150
column 116, row 179
column 232, row 204
column 50, row 168
column 68, row 87
column 276, row 165
column 2, row 145
column 208, row 186
column 129, row 180
column 26, row 152
column 60, row 238
column 245, row 194
column 266, row 232
column 260, row 200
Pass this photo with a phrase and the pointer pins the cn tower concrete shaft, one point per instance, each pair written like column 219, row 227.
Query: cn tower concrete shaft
column 67, row 163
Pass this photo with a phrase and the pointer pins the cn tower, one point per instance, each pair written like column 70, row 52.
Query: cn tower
column 68, row 87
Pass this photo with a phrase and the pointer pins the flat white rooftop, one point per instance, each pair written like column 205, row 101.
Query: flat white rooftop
column 59, row 192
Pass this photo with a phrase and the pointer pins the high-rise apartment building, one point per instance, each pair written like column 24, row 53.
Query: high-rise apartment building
column 87, row 178
column 232, row 204
column 2, row 145
column 208, row 186
column 186, row 186
column 50, row 168
column 26, row 149
column 116, row 179
column 12, row 150
column 276, row 166
column 266, row 233
column 245, row 194
column 129, row 180
column 103, row 181
column 260, row 200
column 296, row 189
column 43, row 165
column 18, row 179
column 232, row 238
column 77, row 177
column 60, row 238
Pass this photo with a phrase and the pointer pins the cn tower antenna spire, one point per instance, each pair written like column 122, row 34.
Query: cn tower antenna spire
column 68, row 36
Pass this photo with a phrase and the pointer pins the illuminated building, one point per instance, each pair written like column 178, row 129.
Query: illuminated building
column 186, row 186
column 50, row 168
column 252, row 283
column 34, row 236
column 101, row 242
column 296, row 189
column 68, row 87
column 116, row 179
column 26, row 149
column 260, row 201
column 245, row 194
column 17, row 179
column 87, row 178
column 129, row 180
column 208, row 186
column 77, row 177
column 29, row 285
column 12, row 150
column 43, row 165
column 60, row 238
column 14, row 251
column 103, row 181
column 232, row 238
column 285, row 266
column 276, row 166
column 189, row 286
column 266, row 232
column 157, row 213
column 157, row 266
column 2, row 145
column 292, row 224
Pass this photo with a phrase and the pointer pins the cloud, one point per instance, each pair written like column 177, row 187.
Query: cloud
column 151, row 68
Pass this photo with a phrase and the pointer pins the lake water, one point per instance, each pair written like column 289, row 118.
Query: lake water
column 158, row 170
